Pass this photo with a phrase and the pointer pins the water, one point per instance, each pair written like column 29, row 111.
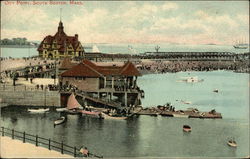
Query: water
column 147, row 136
column 131, row 49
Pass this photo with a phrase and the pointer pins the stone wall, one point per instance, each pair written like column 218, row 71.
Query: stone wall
column 30, row 98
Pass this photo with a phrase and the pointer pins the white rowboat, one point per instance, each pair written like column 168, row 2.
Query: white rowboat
column 38, row 110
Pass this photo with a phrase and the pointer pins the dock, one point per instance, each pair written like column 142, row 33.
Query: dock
column 183, row 114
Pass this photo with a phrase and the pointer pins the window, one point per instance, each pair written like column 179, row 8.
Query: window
column 79, row 78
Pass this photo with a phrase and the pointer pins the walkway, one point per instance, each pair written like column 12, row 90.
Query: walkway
column 17, row 149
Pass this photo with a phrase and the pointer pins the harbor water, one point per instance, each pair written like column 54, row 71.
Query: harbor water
column 130, row 49
column 147, row 136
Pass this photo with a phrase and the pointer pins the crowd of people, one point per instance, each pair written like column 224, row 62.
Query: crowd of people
column 177, row 66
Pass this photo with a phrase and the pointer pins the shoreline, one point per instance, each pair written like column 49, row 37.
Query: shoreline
column 18, row 46
column 17, row 149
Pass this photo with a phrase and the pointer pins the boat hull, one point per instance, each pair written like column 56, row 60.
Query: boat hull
column 232, row 144
column 180, row 115
column 38, row 110
column 105, row 116
column 91, row 114
column 59, row 121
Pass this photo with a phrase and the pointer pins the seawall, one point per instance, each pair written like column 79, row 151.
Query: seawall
column 30, row 97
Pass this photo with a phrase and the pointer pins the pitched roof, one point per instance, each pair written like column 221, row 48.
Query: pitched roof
column 62, row 39
column 81, row 70
column 129, row 70
column 93, row 70
column 66, row 63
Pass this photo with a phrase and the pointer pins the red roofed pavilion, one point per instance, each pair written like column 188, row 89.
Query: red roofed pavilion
column 119, row 81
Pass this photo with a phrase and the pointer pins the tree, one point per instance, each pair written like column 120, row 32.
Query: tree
column 14, row 77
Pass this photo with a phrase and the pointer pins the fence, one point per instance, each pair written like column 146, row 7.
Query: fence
column 40, row 141
column 5, row 87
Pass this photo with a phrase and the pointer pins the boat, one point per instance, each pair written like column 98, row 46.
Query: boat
column 241, row 45
column 38, row 110
column 95, row 114
column 216, row 91
column 73, row 107
column 186, row 128
column 180, row 114
column 61, row 109
column 192, row 79
column 59, row 120
column 186, row 102
column 95, row 49
column 232, row 143
column 106, row 116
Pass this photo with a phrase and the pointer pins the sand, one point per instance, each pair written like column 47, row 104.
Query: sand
column 35, row 81
column 18, row 63
column 17, row 149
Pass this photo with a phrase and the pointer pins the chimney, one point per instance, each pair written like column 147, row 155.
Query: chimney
column 76, row 36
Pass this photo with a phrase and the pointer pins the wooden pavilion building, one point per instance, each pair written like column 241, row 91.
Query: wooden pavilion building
column 114, row 84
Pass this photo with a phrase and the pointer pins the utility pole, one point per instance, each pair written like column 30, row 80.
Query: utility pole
column 55, row 73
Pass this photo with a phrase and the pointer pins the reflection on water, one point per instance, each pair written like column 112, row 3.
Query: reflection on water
column 140, row 136
column 156, row 136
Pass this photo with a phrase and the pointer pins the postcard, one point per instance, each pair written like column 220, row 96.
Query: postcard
column 124, row 79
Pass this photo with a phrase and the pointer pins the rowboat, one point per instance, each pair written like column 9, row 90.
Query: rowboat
column 180, row 114
column 106, row 116
column 38, row 110
column 95, row 114
column 59, row 120
column 232, row 143
column 216, row 90
column 61, row 109
column 186, row 128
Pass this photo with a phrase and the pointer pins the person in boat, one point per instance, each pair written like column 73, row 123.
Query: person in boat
column 84, row 151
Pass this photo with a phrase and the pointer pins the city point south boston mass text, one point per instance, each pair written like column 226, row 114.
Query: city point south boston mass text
column 43, row 2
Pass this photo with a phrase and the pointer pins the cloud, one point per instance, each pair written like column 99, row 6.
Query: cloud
column 26, row 18
column 169, row 6
column 145, row 22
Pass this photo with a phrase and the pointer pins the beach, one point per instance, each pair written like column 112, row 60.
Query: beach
column 17, row 149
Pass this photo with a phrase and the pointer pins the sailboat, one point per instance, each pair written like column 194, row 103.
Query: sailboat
column 95, row 49
column 73, row 106
column 241, row 45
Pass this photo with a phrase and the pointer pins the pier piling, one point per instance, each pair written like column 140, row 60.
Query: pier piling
column 24, row 137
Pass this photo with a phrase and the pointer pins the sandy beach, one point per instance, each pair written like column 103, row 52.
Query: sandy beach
column 17, row 149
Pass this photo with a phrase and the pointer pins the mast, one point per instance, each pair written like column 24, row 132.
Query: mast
column 60, row 14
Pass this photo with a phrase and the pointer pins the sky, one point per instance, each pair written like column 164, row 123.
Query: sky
column 182, row 22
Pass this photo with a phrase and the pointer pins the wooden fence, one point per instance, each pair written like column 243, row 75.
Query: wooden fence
column 40, row 141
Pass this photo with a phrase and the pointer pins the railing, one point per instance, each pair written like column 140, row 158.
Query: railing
column 5, row 87
column 40, row 141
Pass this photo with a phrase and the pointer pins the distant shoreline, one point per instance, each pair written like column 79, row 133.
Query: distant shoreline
column 18, row 46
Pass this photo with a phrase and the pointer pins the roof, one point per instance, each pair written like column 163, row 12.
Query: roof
column 129, row 70
column 66, row 63
column 88, row 69
column 81, row 70
column 62, row 40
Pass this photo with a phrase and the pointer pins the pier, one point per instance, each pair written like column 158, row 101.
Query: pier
column 169, row 111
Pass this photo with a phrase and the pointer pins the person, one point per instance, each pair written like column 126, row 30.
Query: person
column 84, row 151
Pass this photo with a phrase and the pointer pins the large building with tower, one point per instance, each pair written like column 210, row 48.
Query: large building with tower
column 60, row 45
